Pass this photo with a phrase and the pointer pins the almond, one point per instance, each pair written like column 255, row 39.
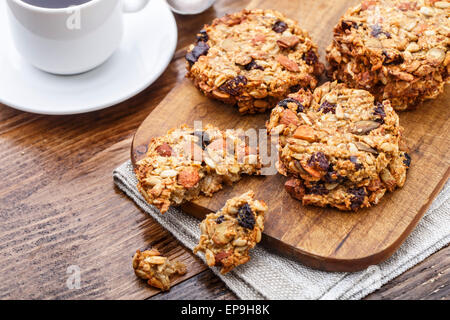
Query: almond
column 288, row 63
column 305, row 132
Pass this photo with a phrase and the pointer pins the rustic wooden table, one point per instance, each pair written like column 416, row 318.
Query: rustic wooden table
column 59, row 207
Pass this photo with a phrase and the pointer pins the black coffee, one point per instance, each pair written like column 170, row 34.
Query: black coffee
column 55, row 4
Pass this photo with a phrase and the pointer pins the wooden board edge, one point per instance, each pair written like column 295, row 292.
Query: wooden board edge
column 351, row 265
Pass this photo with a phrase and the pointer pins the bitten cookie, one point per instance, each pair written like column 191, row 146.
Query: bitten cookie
column 252, row 59
column 396, row 49
column 185, row 163
column 340, row 145
column 228, row 235
column 156, row 269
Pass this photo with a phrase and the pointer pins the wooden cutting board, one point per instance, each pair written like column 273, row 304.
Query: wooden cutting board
column 326, row 239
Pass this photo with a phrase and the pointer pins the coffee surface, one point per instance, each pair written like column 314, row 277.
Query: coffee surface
column 55, row 4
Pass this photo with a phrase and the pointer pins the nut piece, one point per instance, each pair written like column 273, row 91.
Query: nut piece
column 288, row 42
column 364, row 127
column 289, row 117
column 156, row 269
column 288, row 63
column 305, row 132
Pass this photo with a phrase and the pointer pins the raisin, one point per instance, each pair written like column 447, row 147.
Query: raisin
column 333, row 177
column 234, row 86
column 295, row 88
column 317, row 188
column 327, row 107
column 407, row 161
column 253, row 65
column 354, row 160
column 310, row 57
column 377, row 30
column 284, row 104
column 202, row 36
column 395, row 59
column 279, row 26
column 379, row 111
column 203, row 139
column 359, row 194
column 200, row 49
column 245, row 218
column 220, row 219
column 347, row 25
column 319, row 161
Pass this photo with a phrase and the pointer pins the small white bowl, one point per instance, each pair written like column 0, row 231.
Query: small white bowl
column 190, row 7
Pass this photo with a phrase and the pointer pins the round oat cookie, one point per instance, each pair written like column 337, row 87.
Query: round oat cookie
column 396, row 49
column 337, row 139
column 253, row 59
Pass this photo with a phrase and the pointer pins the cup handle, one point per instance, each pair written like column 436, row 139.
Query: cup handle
column 130, row 6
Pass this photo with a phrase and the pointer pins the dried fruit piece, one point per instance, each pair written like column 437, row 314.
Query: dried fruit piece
column 234, row 86
column 377, row 30
column 284, row 103
column 188, row 177
column 164, row 150
column 246, row 218
column 279, row 26
column 407, row 160
column 319, row 161
column 288, row 63
column 202, row 36
column 253, row 65
column 310, row 57
column 379, row 112
column 220, row 219
column 359, row 195
column 200, row 49
column 327, row 107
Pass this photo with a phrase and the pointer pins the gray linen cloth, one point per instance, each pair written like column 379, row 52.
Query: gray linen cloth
column 270, row 276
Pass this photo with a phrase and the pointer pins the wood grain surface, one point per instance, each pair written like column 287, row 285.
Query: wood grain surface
column 326, row 239
column 59, row 206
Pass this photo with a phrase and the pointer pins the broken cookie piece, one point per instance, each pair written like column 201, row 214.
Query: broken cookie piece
column 150, row 265
column 185, row 163
column 228, row 235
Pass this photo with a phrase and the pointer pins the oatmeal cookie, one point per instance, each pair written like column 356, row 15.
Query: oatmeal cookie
column 396, row 49
column 337, row 139
column 185, row 163
column 150, row 265
column 252, row 59
column 228, row 235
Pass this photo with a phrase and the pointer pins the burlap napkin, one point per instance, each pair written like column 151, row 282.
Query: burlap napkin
column 269, row 276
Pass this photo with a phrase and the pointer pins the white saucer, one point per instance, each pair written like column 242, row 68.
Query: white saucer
column 148, row 46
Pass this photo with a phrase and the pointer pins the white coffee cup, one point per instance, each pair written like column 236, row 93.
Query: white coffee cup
column 69, row 40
